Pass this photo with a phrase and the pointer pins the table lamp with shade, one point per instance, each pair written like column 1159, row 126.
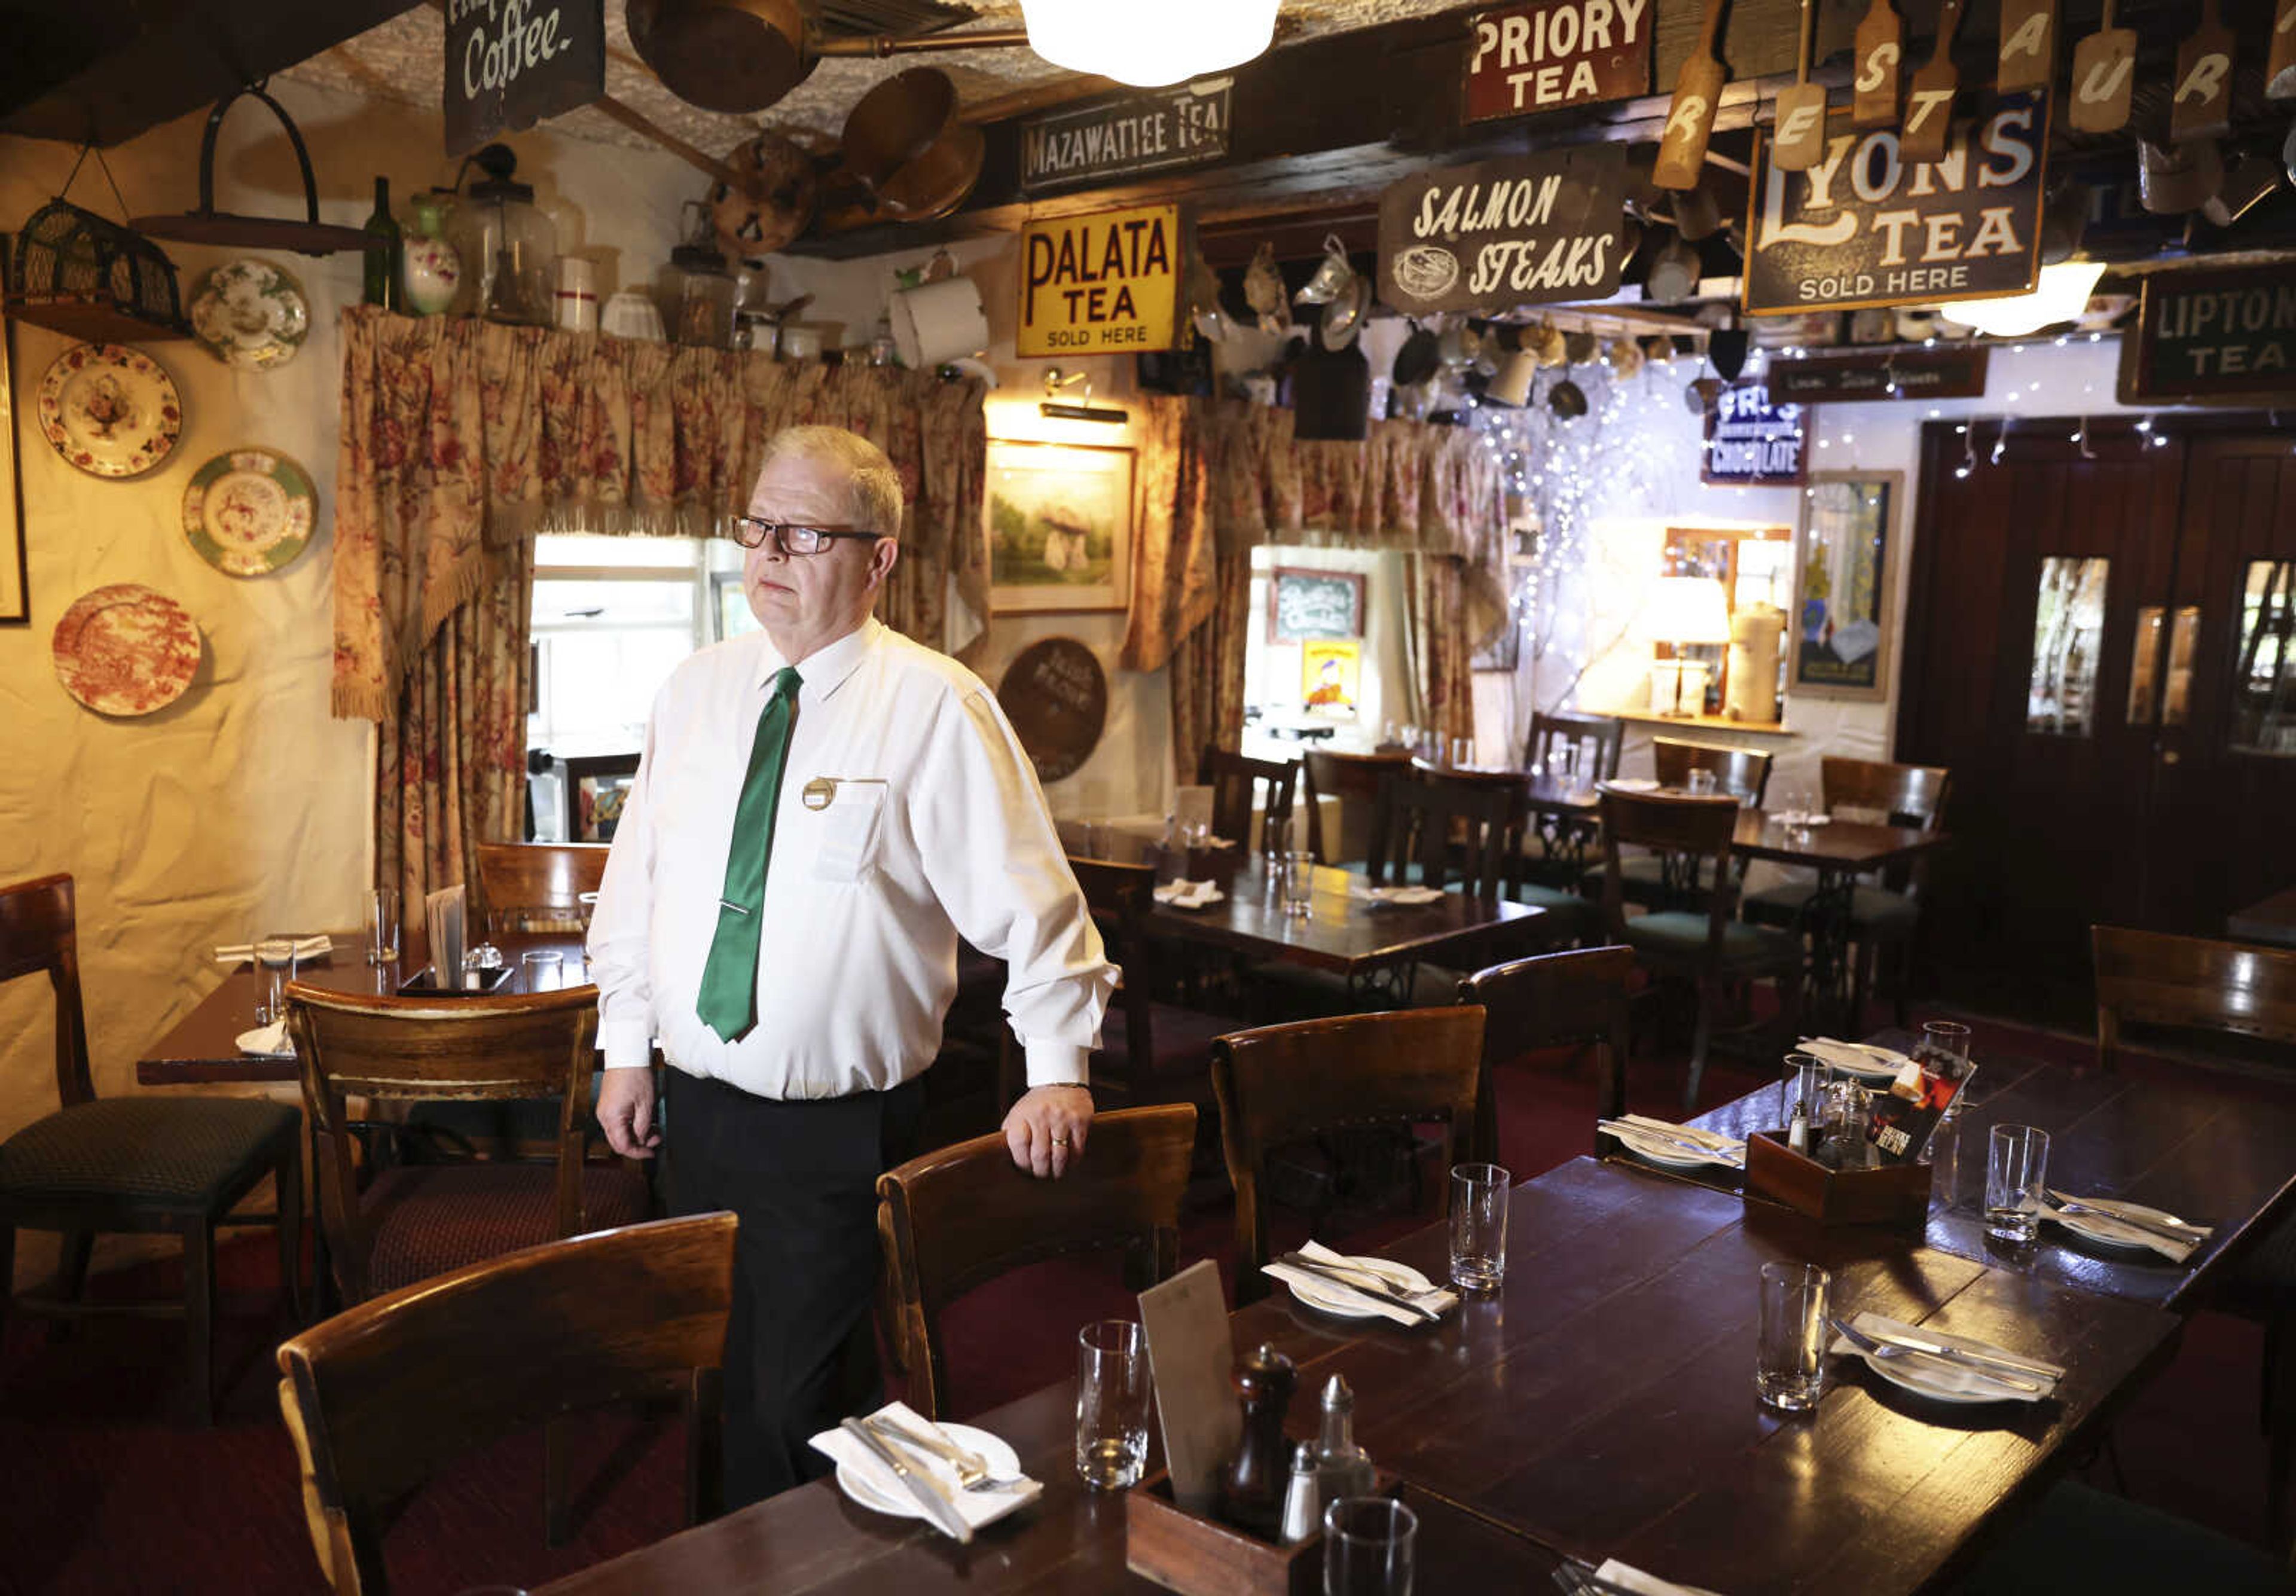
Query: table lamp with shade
column 1685, row 610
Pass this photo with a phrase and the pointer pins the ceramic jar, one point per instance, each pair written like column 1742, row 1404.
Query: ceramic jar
column 429, row 270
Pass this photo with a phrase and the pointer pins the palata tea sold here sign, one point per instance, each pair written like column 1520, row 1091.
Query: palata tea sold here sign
column 1100, row 285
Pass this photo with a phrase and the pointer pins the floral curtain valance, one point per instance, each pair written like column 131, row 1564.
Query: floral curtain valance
column 460, row 436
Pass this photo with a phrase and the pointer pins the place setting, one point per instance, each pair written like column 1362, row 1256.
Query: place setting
column 957, row 1477
column 1800, row 1327
column 1674, row 1147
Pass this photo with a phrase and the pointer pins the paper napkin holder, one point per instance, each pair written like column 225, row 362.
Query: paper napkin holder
column 1198, row 1555
column 1886, row 1194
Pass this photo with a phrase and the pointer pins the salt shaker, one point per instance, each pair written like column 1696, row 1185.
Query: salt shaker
column 1303, row 1503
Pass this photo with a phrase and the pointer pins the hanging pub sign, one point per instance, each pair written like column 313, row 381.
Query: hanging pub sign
column 1556, row 53
column 1864, row 226
column 2225, row 337
column 1943, row 373
column 1125, row 135
column 1523, row 230
column 1100, row 285
column 1753, row 442
column 511, row 63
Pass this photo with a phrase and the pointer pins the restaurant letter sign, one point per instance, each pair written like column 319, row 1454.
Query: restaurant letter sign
column 2224, row 336
column 1556, row 53
column 511, row 63
column 1864, row 226
column 1100, row 285
column 1125, row 135
column 1521, row 231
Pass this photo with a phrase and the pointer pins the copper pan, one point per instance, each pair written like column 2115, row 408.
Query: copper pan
column 906, row 150
column 736, row 56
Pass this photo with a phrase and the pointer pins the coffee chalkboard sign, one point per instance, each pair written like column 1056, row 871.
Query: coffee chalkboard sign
column 1055, row 695
column 511, row 63
column 1312, row 605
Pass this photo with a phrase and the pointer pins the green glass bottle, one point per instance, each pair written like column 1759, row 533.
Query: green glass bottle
column 382, row 254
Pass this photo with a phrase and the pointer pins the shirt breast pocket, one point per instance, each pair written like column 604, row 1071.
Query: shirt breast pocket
column 848, row 831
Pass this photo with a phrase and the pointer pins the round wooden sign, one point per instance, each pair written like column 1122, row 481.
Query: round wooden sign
column 1055, row 695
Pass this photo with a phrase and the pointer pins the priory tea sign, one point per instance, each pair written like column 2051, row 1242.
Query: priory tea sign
column 511, row 63
column 1864, row 226
column 1556, row 53
column 1098, row 284
column 1521, row 231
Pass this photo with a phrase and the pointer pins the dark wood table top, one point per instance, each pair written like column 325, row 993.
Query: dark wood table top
column 2273, row 920
column 2216, row 1148
column 1601, row 1403
column 1344, row 933
column 204, row 1045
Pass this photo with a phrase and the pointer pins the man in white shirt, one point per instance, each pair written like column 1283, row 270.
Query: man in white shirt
column 821, row 811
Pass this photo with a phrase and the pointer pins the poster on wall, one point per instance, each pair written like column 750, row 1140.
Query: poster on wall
column 1126, row 136
column 1865, row 226
column 511, row 63
column 2211, row 337
column 1100, row 285
column 1331, row 676
column 1523, row 230
column 1304, row 604
column 15, row 583
column 1555, row 52
column 1753, row 442
column 1841, row 615
column 1060, row 526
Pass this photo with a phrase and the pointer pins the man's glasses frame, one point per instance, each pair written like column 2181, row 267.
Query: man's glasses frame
column 795, row 540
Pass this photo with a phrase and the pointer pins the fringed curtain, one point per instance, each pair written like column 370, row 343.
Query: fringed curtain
column 462, row 439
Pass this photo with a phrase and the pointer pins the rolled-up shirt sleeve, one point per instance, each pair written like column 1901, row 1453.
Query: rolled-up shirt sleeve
column 993, row 859
column 620, row 941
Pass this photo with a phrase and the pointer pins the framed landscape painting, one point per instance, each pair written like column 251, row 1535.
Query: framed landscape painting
column 1060, row 526
column 1841, row 625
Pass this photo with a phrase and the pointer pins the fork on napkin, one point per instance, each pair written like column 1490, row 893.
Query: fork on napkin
column 1615, row 1578
column 1685, row 1140
column 305, row 947
column 1946, row 1373
column 2097, row 1217
column 1396, row 894
column 1188, row 894
column 977, row 1507
column 1437, row 1301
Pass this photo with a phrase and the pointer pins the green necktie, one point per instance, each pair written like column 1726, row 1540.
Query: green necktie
column 728, row 1001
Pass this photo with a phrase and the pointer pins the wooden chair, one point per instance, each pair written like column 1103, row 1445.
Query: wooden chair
column 1281, row 1084
column 1739, row 773
column 538, row 886
column 380, row 1397
column 1576, row 999
column 142, row 1165
column 1159, row 1052
column 1237, row 782
column 1352, row 778
column 1692, row 935
column 1569, row 916
column 952, row 1219
column 1888, row 912
column 1434, row 822
column 1599, row 739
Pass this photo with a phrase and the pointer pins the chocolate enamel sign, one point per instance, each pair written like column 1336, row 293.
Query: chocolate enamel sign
column 1557, row 53
column 1521, row 231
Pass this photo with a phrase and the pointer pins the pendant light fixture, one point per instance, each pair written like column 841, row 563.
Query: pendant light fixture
column 2061, row 294
column 1148, row 43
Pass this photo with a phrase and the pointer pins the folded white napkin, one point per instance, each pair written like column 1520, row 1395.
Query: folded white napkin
column 2105, row 1227
column 1665, row 1140
column 1712, row 1139
column 977, row 1507
column 1948, row 1375
column 1628, row 1577
column 1395, row 894
column 267, row 1041
column 1858, row 1061
column 1189, row 894
column 1442, row 1302
column 305, row 947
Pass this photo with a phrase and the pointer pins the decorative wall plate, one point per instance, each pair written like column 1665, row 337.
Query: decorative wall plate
column 250, row 512
column 250, row 314
column 111, row 411
column 126, row 650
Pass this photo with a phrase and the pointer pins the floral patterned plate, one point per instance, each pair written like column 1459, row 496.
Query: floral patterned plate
column 250, row 512
column 112, row 412
column 126, row 650
column 250, row 314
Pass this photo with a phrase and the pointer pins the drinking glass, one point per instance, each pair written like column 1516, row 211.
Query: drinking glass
column 382, row 925
column 1113, row 1394
column 1801, row 1090
column 1563, row 762
column 1789, row 1358
column 274, row 967
column 1462, row 752
column 1097, row 838
column 1275, row 837
column 1944, row 1050
column 544, row 971
column 1703, row 783
column 1479, row 1226
column 1298, row 885
column 2016, row 1165
column 1369, row 1542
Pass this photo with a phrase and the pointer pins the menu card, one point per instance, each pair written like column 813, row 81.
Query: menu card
column 1193, row 1362
column 1906, row 1115
column 442, row 916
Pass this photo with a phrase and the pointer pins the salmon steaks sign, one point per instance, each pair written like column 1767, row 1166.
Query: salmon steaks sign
column 1557, row 53
column 1100, row 285
column 1866, row 227
column 1525, row 230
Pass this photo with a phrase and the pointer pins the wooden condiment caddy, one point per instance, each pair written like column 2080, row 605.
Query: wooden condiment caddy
column 1198, row 1555
column 1886, row 1194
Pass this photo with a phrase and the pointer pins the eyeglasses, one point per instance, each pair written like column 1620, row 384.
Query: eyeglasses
column 750, row 533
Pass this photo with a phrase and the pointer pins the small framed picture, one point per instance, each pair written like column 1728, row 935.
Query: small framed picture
column 1307, row 605
column 1060, row 526
column 1844, row 554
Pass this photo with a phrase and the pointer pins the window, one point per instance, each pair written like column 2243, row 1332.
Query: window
column 2264, row 688
column 2068, row 632
column 612, row 616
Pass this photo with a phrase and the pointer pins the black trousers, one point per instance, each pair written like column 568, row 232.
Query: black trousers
column 801, row 1348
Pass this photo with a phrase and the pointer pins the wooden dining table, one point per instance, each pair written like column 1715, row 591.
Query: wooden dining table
column 1600, row 1403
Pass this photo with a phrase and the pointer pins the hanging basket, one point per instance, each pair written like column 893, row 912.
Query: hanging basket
column 78, row 274
column 207, row 225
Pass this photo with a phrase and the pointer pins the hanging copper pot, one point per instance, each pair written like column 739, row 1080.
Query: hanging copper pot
column 1567, row 399
column 736, row 56
column 905, row 156
column 773, row 201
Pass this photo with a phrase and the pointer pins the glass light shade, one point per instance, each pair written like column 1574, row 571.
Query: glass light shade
column 2061, row 294
column 1687, row 609
column 1148, row 43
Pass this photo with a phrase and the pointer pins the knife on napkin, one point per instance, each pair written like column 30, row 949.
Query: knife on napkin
column 938, row 1507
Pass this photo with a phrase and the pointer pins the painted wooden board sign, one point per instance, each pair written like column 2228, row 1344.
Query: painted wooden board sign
column 1865, row 226
column 1124, row 136
column 1555, row 52
column 1947, row 372
column 2200, row 336
column 1754, row 441
column 511, row 63
column 1524, row 230
column 1099, row 285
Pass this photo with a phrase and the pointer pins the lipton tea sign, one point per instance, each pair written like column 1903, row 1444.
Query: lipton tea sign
column 1866, row 227
column 1100, row 285
column 1521, row 231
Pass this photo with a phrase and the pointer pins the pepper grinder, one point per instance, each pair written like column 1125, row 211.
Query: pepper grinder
column 1342, row 1468
column 1252, row 1496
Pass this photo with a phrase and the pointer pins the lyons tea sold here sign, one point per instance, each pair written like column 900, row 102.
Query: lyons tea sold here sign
column 1865, row 226
column 1100, row 285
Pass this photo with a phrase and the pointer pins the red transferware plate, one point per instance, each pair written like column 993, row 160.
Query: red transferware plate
column 126, row 650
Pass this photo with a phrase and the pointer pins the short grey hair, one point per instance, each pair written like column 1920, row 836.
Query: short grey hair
column 872, row 487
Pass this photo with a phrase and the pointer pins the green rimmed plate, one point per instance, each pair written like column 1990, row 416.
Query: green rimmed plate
column 250, row 314
column 250, row 512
